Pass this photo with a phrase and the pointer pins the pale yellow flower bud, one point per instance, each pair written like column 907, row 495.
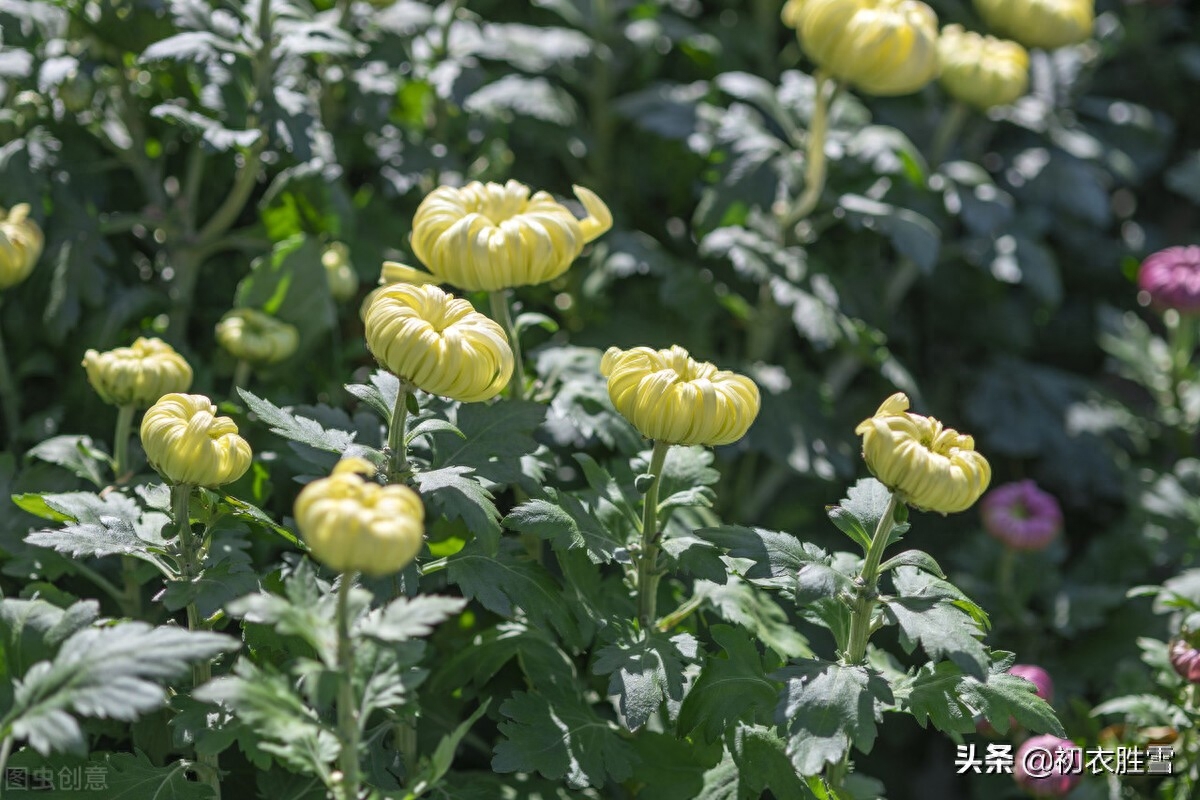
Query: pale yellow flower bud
column 791, row 13
column 928, row 466
column 137, row 375
column 438, row 342
column 881, row 47
column 671, row 398
column 343, row 280
column 395, row 272
column 982, row 71
column 1047, row 24
column 187, row 442
column 491, row 237
column 21, row 243
column 251, row 335
column 352, row 524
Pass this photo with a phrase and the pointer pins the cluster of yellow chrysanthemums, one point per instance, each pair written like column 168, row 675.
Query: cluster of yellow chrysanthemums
column 892, row 47
column 481, row 237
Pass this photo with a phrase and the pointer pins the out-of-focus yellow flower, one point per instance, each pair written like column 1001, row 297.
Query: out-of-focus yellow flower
column 352, row 524
column 487, row 237
column 671, row 398
column 982, row 71
column 928, row 466
column 791, row 13
column 137, row 375
column 1047, row 24
column 21, row 243
column 881, row 47
column 438, row 342
column 187, row 442
column 395, row 272
column 343, row 280
column 251, row 335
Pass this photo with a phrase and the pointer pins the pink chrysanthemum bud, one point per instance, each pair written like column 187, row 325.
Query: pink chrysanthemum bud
column 1038, row 677
column 1022, row 516
column 1185, row 658
column 1170, row 279
column 1047, row 766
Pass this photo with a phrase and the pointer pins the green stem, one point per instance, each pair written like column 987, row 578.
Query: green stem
column 121, row 442
column 502, row 315
column 398, row 463
column 347, row 712
column 5, row 752
column 680, row 614
column 241, row 377
column 103, row 583
column 947, row 131
column 202, row 671
column 864, row 604
column 648, row 574
column 814, row 171
column 133, row 588
column 9, row 398
column 599, row 99
column 1181, row 344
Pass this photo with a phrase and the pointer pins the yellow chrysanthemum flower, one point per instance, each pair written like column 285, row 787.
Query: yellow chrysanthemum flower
column 437, row 342
column 1048, row 24
column 928, row 466
column 671, row 398
column 339, row 272
column 982, row 71
column 137, row 375
column 881, row 47
column 21, row 243
column 250, row 335
column 355, row 525
column 488, row 237
column 187, row 442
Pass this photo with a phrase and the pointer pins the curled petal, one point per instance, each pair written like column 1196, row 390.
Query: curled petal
column 251, row 335
column 1048, row 24
column 187, row 442
column 137, row 375
column 982, row 71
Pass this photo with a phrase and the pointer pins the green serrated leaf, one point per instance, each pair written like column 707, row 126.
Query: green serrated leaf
column 1003, row 697
column 565, row 740
column 753, row 609
column 732, row 688
column 112, row 672
column 569, row 524
column 427, row 427
column 455, row 492
column 645, row 670
column 79, row 454
column 495, row 437
column 913, row 558
column 508, row 581
column 297, row 428
column 825, row 708
column 858, row 514
column 409, row 618
column 942, row 629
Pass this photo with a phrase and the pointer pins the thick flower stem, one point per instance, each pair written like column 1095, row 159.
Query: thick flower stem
column 9, row 398
column 121, row 442
column 241, row 377
column 953, row 119
column 347, row 709
column 502, row 315
column 398, row 463
column 814, row 172
column 868, row 579
column 1181, row 344
column 648, row 574
column 201, row 672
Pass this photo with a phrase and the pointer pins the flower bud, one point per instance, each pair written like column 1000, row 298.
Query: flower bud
column 981, row 71
column 1038, row 677
column 187, row 442
column 1047, row 24
column 438, row 342
column 251, row 335
column 1170, row 279
column 1185, row 658
column 137, row 375
column 351, row 524
column 671, row 398
column 881, row 47
column 487, row 237
column 1022, row 516
column 1041, row 772
column 343, row 280
column 928, row 466
column 21, row 243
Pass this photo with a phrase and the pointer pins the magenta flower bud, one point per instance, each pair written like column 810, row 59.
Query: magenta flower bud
column 1171, row 279
column 1022, row 516
column 1185, row 658
column 1047, row 766
column 1038, row 677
